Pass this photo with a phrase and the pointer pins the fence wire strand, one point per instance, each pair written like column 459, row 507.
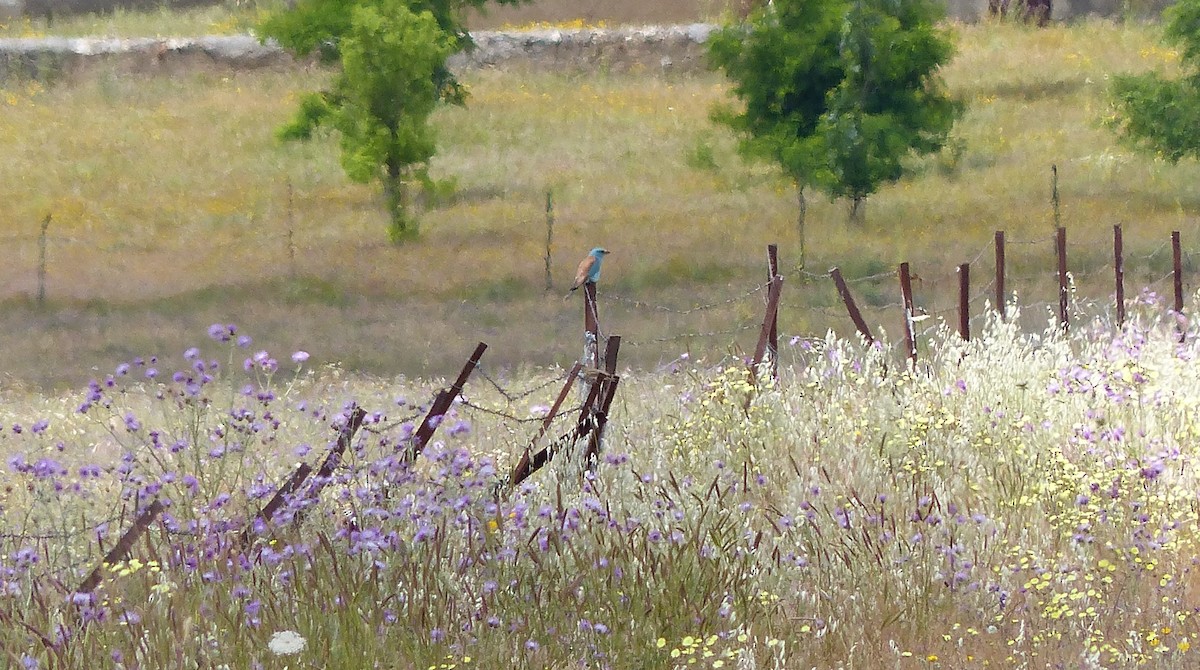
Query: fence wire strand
column 640, row 304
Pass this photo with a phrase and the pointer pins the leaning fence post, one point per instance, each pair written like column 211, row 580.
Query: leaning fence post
column 521, row 470
column 586, row 423
column 910, row 337
column 764, row 336
column 773, row 335
column 41, row 271
column 600, row 421
column 1119, row 271
column 604, row 397
column 1060, row 247
column 345, row 437
column 122, row 547
column 851, row 307
column 964, row 301
column 1001, row 299
column 1177, row 270
column 441, row 405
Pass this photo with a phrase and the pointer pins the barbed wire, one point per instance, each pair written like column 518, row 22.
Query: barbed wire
column 691, row 310
column 1162, row 279
column 516, row 419
column 63, row 536
column 1150, row 255
column 395, row 423
column 1034, row 242
column 686, row 336
column 514, row 396
column 981, row 294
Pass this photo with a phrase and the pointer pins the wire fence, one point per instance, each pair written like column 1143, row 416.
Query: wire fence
column 659, row 330
column 916, row 300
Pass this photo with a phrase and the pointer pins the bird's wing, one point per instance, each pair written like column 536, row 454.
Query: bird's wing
column 594, row 270
column 585, row 267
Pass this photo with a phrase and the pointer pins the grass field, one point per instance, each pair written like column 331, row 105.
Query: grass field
column 1022, row 502
column 1025, row 500
column 171, row 210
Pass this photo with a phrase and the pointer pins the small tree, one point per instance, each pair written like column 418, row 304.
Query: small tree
column 783, row 63
column 838, row 92
column 393, row 56
column 890, row 102
column 1158, row 114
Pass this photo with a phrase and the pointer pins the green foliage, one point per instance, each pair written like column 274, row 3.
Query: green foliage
column 1158, row 114
column 393, row 73
column 889, row 102
column 838, row 93
column 782, row 66
column 320, row 27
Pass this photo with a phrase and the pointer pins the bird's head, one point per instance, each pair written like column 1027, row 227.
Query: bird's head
column 599, row 252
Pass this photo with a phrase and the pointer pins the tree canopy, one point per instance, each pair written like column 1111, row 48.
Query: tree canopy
column 838, row 92
column 393, row 56
column 1161, row 115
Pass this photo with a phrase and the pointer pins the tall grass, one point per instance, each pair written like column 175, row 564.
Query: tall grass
column 171, row 210
column 1021, row 501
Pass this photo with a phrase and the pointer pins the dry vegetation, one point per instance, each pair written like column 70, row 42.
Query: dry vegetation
column 224, row 18
column 171, row 211
column 1024, row 500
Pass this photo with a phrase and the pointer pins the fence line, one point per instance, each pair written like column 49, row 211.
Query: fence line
column 933, row 289
column 600, row 379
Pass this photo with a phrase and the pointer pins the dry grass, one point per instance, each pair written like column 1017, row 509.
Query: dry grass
column 225, row 18
column 170, row 205
column 163, row 22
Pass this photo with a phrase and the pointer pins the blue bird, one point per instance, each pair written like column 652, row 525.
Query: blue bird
column 589, row 268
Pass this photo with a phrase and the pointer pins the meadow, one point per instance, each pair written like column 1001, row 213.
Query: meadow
column 1026, row 500
column 174, row 207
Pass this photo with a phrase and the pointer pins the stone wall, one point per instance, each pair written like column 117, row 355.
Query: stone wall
column 673, row 48
column 616, row 49
column 660, row 48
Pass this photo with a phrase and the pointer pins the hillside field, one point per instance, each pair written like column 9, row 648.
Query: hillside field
column 174, row 207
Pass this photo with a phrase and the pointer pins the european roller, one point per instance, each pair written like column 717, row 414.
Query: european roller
column 589, row 268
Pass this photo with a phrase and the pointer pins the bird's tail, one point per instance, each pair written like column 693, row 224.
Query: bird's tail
column 568, row 295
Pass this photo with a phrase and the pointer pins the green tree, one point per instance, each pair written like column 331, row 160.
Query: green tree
column 782, row 63
column 393, row 56
column 1161, row 115
column 838, row 92
column 890, row 102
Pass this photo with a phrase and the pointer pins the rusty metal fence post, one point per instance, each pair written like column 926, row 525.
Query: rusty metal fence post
column 1119, row 272
column 851, row 307
column 910, row 336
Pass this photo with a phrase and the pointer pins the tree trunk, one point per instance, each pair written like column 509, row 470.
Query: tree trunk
column 858, row 210
column 400, row 227
column 803, row 202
